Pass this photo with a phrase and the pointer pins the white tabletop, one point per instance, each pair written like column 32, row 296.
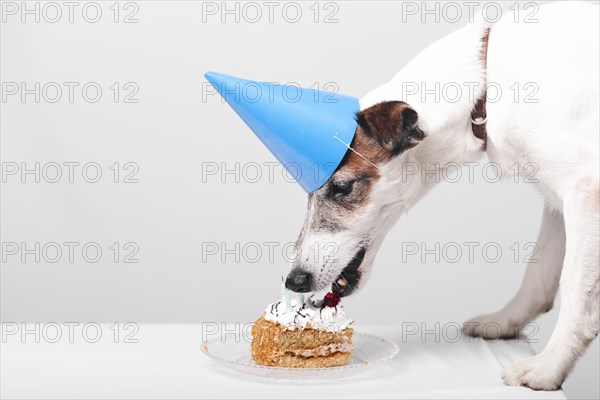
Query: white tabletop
column 167, row 363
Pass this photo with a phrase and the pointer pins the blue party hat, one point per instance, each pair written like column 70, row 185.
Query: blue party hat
column 307, row 130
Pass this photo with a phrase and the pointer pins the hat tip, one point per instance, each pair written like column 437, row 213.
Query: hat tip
column 209, row 75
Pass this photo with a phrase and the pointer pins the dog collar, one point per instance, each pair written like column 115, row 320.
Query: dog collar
column 478, row 115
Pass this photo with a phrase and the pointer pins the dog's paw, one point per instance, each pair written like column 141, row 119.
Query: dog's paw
column 538, row 373
column 493, row 326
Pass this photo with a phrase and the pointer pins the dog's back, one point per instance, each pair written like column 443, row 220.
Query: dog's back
column 545, row 75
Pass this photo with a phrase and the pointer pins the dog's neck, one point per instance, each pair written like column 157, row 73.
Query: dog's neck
column 442, row 84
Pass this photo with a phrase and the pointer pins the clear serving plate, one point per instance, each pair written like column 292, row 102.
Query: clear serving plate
column 369, row 352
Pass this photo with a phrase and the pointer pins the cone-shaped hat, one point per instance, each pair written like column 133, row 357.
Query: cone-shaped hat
column 307, row 130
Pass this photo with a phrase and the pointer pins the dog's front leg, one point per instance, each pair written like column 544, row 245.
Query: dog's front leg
column 578, row 319
column 538, row 289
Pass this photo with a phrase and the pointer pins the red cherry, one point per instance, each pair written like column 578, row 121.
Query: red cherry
column 331, row 299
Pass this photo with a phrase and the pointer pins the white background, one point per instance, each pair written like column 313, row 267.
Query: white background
column 177, row 130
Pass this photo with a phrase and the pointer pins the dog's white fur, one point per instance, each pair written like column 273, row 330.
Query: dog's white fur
column 559, row 133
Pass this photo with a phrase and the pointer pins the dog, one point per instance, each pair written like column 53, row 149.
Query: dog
column 559, row 133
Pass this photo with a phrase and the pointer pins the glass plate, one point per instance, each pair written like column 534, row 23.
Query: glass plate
column 369, row 352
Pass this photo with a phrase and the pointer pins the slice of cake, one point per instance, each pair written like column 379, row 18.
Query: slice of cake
column 303, row 334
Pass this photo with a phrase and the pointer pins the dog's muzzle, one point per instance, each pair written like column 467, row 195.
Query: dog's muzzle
column 347, row 280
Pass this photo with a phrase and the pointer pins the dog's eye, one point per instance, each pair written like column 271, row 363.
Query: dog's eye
column 342, row 188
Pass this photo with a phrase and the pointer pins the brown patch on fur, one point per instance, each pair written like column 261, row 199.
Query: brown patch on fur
column 384, row 131
column 355, row 168
column 354, row 165
column 393, row 124
column 334, row 211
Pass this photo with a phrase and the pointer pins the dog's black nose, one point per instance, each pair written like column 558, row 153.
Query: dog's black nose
column 299, row 281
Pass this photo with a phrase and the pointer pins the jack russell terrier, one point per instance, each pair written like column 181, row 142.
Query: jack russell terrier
column 559, row 133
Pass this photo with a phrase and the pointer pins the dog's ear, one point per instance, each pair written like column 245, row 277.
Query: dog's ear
column 393, row 124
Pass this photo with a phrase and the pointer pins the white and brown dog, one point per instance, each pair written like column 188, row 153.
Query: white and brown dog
column 559, row 132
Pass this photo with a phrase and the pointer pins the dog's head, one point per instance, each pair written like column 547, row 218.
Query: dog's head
column 350, row 214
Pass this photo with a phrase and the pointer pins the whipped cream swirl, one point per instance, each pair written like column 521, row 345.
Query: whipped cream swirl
column 310, row 314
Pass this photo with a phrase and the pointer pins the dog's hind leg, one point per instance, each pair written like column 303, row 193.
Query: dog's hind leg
column 578, row 320
column 538, row 289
